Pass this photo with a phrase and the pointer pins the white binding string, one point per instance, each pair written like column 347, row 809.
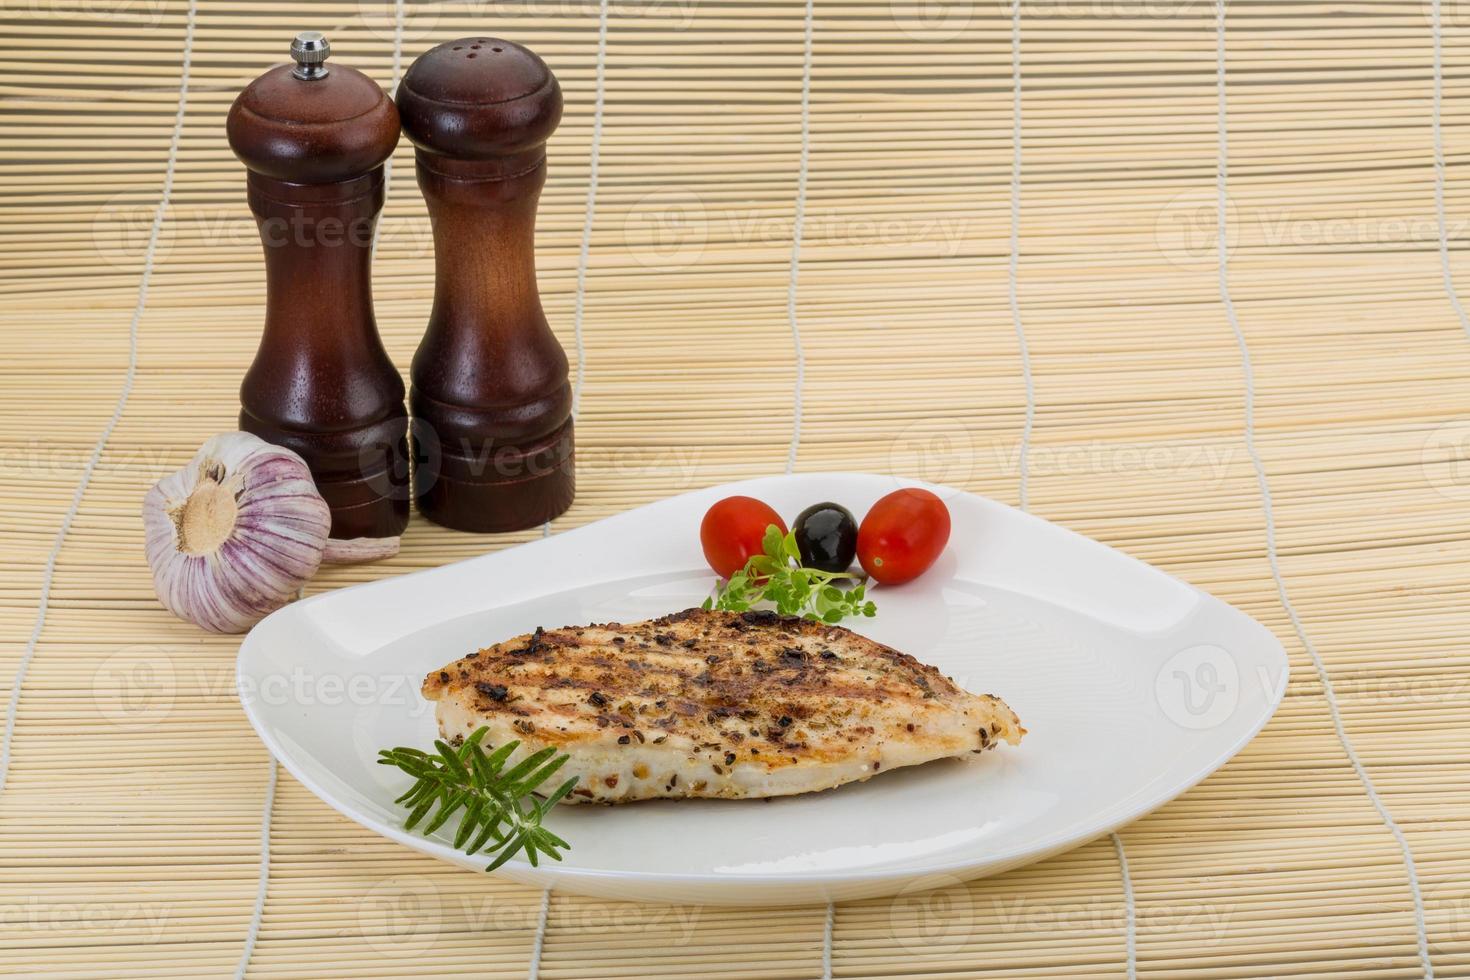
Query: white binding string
column 263, row 882
column 588, row 218
column 1129, row 908
column 1439, row 169
column 1247, row 372
column 797, row 227
column 538, row 941
column 48, row 575
column 799, row 386
column 1013, row 267
column 398, row 19
column 1013, row 291
column 827, row 923
column 591, row 213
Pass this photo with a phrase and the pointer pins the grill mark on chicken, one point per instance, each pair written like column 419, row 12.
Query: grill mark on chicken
column 702, row 703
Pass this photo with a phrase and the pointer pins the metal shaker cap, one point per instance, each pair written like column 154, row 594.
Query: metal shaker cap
column 309, row 50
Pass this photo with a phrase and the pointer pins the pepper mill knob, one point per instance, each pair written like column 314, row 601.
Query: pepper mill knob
column 313, row 142
column 492, row 407
column 309, row 50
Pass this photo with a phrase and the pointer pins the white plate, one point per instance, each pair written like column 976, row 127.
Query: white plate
column 1133, row 685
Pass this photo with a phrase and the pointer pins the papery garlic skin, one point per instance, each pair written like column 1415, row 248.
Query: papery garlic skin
column 351, row 551
column 234, row 535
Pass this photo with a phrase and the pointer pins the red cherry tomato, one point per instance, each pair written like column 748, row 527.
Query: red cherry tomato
column 902, row 535
column 732, row 531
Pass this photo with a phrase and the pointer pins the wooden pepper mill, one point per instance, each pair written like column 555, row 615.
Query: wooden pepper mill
column 492, row 427
column 314, row 139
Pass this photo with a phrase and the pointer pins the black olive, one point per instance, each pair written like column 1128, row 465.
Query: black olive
column 827, row 537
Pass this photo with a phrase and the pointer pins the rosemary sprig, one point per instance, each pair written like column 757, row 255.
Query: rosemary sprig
column 497, row 802
column 777, row 576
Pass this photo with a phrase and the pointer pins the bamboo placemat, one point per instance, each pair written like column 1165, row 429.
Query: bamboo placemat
column 1204, row 309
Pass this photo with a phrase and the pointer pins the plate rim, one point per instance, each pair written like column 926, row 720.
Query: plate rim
column 993, row 863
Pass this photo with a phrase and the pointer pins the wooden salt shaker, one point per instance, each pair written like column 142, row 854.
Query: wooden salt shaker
column 314, row 139
column 492, row 425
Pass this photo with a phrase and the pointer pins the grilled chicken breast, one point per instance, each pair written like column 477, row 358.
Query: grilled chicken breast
column 714, row 704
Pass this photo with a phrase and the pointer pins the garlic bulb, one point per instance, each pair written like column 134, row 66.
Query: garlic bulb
column 235, row 534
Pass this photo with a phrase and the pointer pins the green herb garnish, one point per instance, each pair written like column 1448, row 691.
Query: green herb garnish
column 778, row 577
column 499, row 810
